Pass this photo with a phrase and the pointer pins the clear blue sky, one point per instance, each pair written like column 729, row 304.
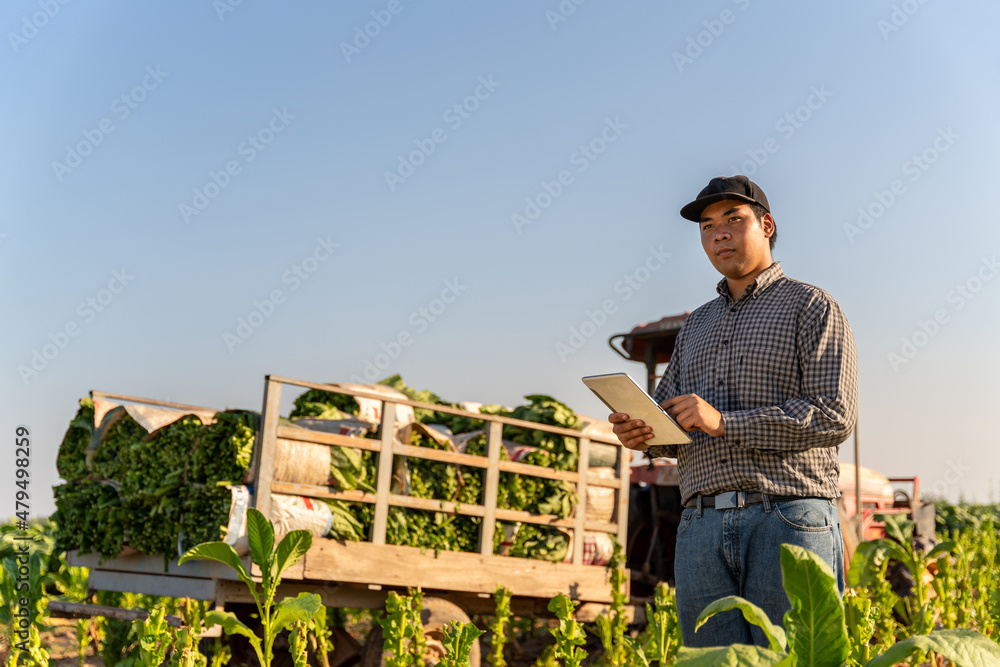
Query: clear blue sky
column 117, row 116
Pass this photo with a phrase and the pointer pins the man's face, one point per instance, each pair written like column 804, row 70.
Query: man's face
column 735, row 242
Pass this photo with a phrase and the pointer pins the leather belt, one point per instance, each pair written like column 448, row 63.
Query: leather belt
column 735, row 499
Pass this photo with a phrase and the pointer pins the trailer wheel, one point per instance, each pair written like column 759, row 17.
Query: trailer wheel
column 436, row 614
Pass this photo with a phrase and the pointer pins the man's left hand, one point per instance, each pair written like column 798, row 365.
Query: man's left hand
column 694, row 413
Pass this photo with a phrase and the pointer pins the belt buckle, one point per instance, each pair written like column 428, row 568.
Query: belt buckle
column 731, row 500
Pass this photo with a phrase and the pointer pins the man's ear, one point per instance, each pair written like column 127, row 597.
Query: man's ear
column 767, row 224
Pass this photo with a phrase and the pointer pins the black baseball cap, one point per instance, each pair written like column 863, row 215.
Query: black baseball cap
column 722, row 188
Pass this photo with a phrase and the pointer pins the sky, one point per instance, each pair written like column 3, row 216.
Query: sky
column 477, row 195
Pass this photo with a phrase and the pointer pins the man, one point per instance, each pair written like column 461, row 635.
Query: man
column 765, row 380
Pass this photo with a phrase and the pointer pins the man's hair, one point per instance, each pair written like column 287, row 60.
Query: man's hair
column 759, row 211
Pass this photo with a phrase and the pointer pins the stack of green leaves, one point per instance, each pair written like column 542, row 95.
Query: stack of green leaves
column 171, row 484
column 225, row 448
column 107, row 462
column 555, row 451
column 89, row 516
column 320, row 404
column 72, row 459
column 351, row 470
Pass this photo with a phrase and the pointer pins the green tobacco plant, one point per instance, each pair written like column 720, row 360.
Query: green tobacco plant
column 662, row 637
column 569, row 633
column 297, row 644
column 273, row 562
column 32, row 653
column 221, row 653
column 815, row 632
column 398, row 630
column 498, row 629
column 861, row 617
column 319, row 637
column 186, row 653
column 611, row 630
column 418, row 644
column 458, row 641
column 917, row 609
column 155, row 639
column 83, row 638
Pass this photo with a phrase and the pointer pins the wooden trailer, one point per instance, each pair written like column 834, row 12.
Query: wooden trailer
column 360, row 574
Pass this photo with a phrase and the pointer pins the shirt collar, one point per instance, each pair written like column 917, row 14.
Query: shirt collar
column 767, row 277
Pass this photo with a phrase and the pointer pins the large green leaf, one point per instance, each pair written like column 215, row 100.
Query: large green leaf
column 562, row 606
column 291, row 610
column 292, row 547
column 230, row 624
column 223, row 553
column 866, row 560
column 964, row 648
column 752, row 613
column 869, row 557
column 260, row 533
column 817, row 635
column 737, row 655
column 944, row 547
column 458, row 640
column 899, row 529
column 636, row 651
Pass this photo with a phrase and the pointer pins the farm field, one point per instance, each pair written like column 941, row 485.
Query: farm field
column 951, row 607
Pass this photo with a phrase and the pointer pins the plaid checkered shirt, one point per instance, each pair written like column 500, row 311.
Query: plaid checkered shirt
column 781, row 367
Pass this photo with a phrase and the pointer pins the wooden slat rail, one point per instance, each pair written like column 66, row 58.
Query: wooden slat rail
column 494, row 444
column 579, row 523
column 262, row 465
column 441, row 455
column 352, row 496
column 383, row 482
column 320, row 438
column 432, row 505
column 444, row 456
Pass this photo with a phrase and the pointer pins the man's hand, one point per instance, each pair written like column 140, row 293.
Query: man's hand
column 694, row 413
column 632, row 434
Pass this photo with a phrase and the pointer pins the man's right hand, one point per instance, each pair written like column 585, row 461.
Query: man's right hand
column 633, row 434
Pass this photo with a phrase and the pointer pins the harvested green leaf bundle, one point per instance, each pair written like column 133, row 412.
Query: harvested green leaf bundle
column 454, row 423
column 89, row 517
column 433, row 530
column 175, row 480
column 442, row 481
column 540, row 542
column 72, row 458
column 351, row 521
column 323, row 405
column 205, row 515
column 352, row 469
column 158, row 465
column 543, row 410
column 224, row 448
column 172, row 481
column 536, row 495
column 107, row 462
column 153, row 522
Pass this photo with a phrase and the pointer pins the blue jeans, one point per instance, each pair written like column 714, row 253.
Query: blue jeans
column 738, row 552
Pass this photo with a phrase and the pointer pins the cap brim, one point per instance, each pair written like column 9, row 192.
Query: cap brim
column 693, row 210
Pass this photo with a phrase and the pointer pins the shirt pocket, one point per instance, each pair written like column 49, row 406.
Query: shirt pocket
column 766, row 376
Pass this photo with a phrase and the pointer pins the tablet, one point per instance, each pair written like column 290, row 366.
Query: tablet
column 621, row 394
